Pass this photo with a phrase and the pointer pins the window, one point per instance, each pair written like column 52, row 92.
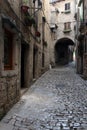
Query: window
column 67, row 26
column 67, row 6
column 39, row 3
column 8, row 38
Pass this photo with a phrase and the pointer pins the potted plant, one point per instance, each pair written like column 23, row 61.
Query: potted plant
column 37, row 33
column 25, row 7
column 29, row 20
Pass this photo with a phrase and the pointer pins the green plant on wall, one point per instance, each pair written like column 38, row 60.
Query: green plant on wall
column 29, row 20
column 25, row 1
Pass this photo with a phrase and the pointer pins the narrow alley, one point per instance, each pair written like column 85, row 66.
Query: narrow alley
column 56, row 101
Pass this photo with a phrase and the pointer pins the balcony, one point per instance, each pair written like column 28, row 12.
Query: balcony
column 67, row 11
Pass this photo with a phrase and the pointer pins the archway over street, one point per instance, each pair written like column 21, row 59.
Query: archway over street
column 64, row 51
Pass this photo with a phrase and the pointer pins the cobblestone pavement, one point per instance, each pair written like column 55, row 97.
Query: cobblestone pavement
column 56, row 101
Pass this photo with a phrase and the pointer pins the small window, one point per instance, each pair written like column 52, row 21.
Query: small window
column 67, row 26
column 39, row 3
column 8, row 52
column 67, row 6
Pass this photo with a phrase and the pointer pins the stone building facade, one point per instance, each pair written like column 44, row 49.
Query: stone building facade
column 81, row 54
column 79, row 18
column 10, row 48
column 85, row 39
column 48, row 35
column 82, row 37
column 24, row 48
column 29, row 37
column 63, row 13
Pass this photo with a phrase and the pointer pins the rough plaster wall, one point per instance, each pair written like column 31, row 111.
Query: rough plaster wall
column 15, row 4
column 61, row 18
column 85, row 10
column 48, row 38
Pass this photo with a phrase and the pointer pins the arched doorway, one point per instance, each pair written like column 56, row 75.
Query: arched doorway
column 63, row 51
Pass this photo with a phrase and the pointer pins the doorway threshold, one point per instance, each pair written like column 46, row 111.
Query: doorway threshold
column 23, row 90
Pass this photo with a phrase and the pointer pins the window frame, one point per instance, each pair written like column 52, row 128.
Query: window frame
column 67, row 6
column 9, row 36
column 67, row 26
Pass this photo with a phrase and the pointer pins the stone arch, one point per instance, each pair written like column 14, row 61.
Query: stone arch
column 63, row 53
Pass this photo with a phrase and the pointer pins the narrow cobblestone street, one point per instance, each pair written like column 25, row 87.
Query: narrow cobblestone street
column 56, row 101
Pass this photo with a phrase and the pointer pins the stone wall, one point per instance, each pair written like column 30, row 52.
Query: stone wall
column 85, row 65
column 61, row 18
column 78, row 65
column 48, row 35
column 15, row 6
column 85, row 10
column 85, row 46
column 65, row 17
column 9, row 79
column 9, row 93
